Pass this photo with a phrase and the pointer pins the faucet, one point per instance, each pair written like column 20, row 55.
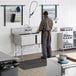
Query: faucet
column 30, row 14
column 28, row 28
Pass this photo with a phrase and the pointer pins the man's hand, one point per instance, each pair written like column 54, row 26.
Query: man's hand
column 37, row 32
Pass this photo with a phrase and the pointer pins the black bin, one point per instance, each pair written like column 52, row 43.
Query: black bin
column 9, row 68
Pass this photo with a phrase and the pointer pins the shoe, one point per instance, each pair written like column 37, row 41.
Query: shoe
column 43, row 57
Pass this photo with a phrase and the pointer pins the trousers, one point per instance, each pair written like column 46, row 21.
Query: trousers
column 46, row 43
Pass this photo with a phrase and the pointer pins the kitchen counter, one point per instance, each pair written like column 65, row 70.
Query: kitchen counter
column 56, row 69
column 5, row 57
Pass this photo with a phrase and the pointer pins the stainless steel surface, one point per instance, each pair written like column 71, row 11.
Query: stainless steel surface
column 28, row 33
column 5, row 57
column 56, row 69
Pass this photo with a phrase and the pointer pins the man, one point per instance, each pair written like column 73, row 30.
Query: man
column 45, row 28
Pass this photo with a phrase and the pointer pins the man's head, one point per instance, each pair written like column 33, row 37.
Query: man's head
column 45, row 14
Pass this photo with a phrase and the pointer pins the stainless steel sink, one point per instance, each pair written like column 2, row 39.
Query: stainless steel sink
column 23, row 31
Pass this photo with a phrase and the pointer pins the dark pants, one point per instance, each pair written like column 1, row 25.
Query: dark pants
column 46, row 44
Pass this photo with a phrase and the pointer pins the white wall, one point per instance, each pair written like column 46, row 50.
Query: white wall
column 66, row 17
column 67, row 12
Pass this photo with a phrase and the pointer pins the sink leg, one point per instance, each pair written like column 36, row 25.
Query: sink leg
column 21, row 53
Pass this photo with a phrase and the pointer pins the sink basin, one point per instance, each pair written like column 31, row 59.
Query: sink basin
column 23, row 31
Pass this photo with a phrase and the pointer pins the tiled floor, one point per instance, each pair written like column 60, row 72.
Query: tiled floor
column 38, row 71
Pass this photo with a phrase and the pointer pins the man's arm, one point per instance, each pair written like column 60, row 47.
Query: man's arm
column 40, row 27
column 51, row 24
